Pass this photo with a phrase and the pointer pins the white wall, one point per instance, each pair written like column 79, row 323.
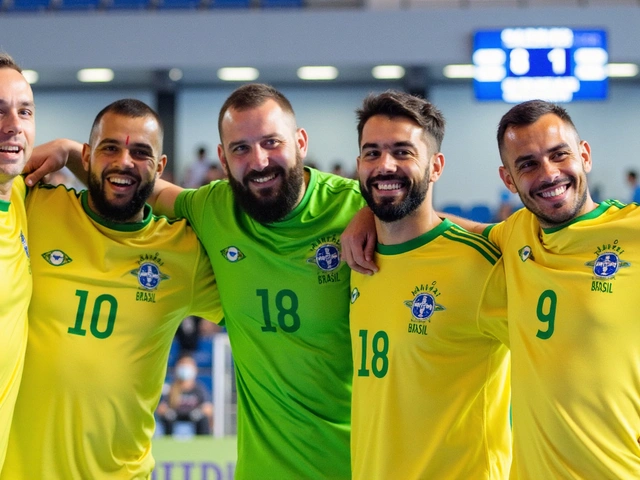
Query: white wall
column 70, row 114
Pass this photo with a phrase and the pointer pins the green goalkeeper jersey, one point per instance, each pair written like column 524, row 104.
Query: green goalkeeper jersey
column 285, row 294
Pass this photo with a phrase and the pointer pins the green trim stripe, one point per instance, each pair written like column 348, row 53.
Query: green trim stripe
column 479, row 238
column 474, row 241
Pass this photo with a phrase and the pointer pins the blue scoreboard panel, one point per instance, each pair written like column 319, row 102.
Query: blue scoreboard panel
column 556, row 64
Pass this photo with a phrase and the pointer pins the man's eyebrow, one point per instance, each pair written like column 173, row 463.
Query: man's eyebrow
column 24, row 103
column 404, row 143
column 113, row 141
column 244, row 141
column 530, row 156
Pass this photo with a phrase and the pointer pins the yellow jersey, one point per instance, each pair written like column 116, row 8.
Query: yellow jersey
column 572, row 304
column 107, row 301
column 15, row 285
column 430, row 389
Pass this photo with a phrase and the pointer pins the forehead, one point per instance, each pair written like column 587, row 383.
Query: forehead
column 136, row 129
column 14, row 88
column 381, row 129
column 265, row 119
column 548, row 129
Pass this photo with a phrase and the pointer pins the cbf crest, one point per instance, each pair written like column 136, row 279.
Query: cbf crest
column 327, row 257
column 423, row 306
column 149, row 275
column 606, row 265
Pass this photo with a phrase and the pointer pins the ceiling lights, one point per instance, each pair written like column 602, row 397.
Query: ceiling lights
column 622, row 70
column 318, row 73
column 387, row 72
column 95, row 75
column 30, row 76
column 238, row 74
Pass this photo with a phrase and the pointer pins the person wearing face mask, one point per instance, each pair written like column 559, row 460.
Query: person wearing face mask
column 187, row 400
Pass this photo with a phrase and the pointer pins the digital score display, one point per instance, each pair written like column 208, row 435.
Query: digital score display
column 555, row 64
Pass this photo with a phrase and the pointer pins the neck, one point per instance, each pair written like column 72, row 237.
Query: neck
column 418, row 222
column 5, row 190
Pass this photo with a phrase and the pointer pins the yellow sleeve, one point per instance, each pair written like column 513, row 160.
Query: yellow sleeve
column 206, row 297
column 492, row 312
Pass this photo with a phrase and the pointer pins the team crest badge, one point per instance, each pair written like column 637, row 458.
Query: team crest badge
column 232, row 254
column 327, row 257
column 607, row 264
column 525, row 253
column 56, row 258
column 423, row 306
column 608, row 261
column 149, row 275
column 355, row 293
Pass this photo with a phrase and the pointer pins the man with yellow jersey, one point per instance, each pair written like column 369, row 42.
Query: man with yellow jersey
column 430, row 385
column 112, row 282
column 572, row 273
column 17, row 134
column 569, row 293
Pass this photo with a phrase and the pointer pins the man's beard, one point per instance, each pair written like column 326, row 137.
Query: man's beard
column 117, row 213
column 387, row 209
column 556, row 217
column 270, row 205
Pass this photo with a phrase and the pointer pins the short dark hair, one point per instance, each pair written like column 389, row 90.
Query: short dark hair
column 128, row 107
column 632, row 174
column 527, row 113
column 6, row 61
column 393, row 103
column 253, row 95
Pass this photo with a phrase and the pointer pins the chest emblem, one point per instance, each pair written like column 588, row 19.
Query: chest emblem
column 56, row 258
column 23, row 240
column 608, row 261
column 423, row 306
column 232, row 254
column 525, row 253
column 149, row 274
column 355, row 293
column 326, row 257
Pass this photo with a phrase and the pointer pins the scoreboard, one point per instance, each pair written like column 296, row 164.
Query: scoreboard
column 556, row 64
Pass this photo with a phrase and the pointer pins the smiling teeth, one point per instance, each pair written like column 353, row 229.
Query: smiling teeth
column 264, row 179
column 12, row 149
column 554, row 193
column 389, row 186
column 121, row 181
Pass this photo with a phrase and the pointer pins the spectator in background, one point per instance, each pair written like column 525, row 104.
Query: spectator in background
column 188, row 334
column 187, row 400
column 197, row 172
column 338, row 170
column 632, row 180
column 214, row 173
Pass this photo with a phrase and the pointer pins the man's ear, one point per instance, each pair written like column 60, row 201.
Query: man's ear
column 507, row 179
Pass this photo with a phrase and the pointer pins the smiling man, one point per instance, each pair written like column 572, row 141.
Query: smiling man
column 431, row 386
column 272, row 233
column 568, row 292
column 112, row 282
column 17, row 134
column 572, row 305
